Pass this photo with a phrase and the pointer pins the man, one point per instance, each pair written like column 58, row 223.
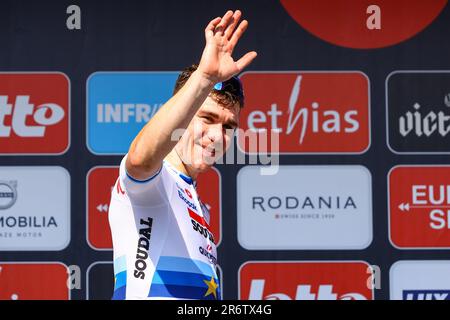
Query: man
column 163, row 248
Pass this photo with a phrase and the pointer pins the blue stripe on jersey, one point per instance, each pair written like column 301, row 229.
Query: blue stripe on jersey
column 120, row 264
column 121, row 280
column 120, row 293
column 182, row 292
column 143, row 181
column 180, row 264
column 180, row 278
column 186, row 178
column 183, row 278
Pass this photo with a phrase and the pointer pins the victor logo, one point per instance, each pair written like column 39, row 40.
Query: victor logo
column 419, row 124
column 418, row 111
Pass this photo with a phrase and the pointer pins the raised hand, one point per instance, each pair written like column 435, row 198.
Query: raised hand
column 221, row 35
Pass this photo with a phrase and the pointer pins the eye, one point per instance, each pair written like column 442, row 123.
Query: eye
column 207, row 119
column 227, row 126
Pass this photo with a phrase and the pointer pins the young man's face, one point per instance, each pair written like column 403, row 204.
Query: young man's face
column 208, row 135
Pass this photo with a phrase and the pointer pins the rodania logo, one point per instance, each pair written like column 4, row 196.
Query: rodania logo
column 309, row 112
column 364, row 24
column 419, row 206
column 297, row 208
column 34, row 113
column 305, row 281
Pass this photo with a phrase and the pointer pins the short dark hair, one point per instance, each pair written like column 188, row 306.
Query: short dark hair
column 227, row 94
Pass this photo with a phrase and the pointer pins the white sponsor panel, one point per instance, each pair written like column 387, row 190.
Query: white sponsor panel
column 420, row 280
column 305, row 208
column 34, row 208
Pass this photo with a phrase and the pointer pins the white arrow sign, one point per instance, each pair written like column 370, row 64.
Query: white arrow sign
column 406, row 207
column 102, row 207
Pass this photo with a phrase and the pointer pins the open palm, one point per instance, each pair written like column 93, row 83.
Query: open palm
column 222, row 35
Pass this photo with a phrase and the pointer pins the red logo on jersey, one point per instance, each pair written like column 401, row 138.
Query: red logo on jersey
column 364, row 23
column 419, row 206
column 305, row 281
column 198, row 218
column 33, row 281
column 311, row 112
column 209, row 190
column 100, row 182
column 34, row 113
column 119, row 188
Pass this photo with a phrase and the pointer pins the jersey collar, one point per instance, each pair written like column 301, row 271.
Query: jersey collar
column 186, row 178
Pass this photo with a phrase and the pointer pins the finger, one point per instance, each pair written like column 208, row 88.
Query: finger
column 234, row 20
column 209, row 30
column 243, row 62
column 223, row 23
column 237, row 34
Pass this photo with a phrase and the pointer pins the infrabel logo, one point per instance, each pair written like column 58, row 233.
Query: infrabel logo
column 8, row 194
column 418, row 111
column 119, row 104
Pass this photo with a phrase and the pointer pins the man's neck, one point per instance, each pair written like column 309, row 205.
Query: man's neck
column 174, row 159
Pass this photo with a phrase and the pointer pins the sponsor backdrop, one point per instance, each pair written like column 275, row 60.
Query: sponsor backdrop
column 358, row 93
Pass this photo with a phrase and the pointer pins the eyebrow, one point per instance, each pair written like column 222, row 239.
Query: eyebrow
column 214, row 115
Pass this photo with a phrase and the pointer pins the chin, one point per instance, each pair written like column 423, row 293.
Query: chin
column 204, row 166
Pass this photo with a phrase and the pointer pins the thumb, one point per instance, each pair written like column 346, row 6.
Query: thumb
column 243, row 62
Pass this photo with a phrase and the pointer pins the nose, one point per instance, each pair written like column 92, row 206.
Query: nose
column 215, row 133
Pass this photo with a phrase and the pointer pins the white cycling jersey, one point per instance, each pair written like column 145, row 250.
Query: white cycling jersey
column 163, row 248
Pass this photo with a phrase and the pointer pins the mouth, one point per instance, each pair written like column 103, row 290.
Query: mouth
column 209, row 152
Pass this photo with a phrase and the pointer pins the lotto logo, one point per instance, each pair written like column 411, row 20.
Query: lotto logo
column 305, row 281
column 308, row 112
column 419, row 202
column 34, row 113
